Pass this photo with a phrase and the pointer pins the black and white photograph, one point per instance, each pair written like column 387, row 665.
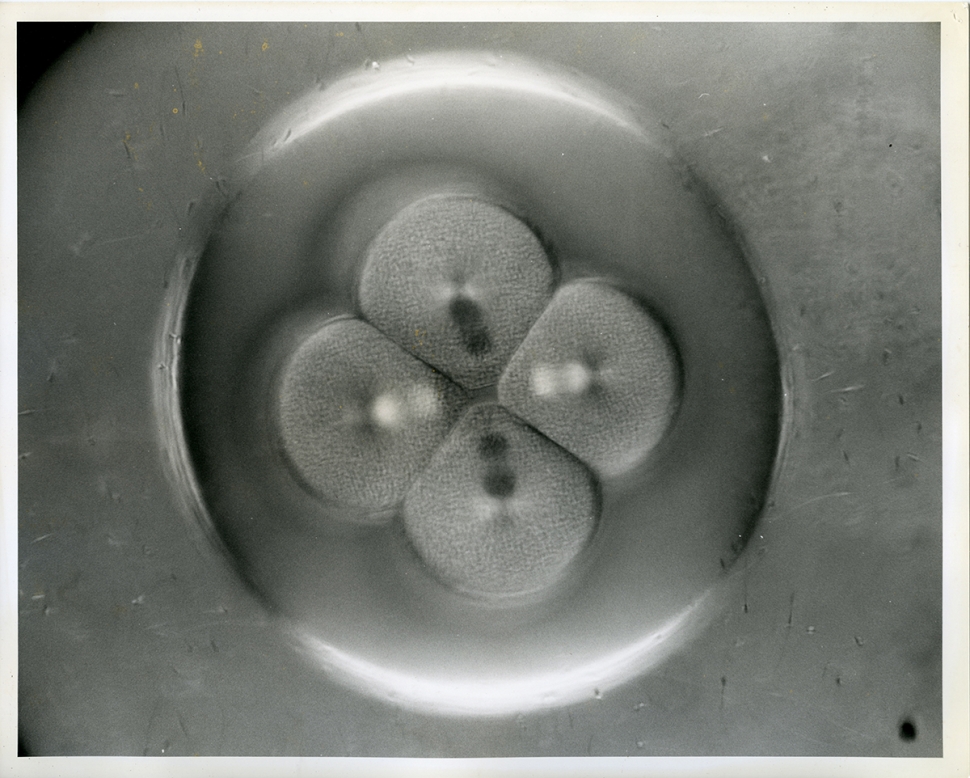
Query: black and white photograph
column 455, row 387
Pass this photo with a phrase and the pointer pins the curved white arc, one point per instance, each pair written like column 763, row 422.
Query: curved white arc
column 491, row 696
column 317, row 110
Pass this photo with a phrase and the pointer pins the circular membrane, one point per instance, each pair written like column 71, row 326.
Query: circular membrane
column 464, row 356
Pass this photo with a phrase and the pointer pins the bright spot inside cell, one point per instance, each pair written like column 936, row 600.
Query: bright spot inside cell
column 396, row 409
column 570, row 378
column 358, row 417
column 598, row 375
column 387, row 411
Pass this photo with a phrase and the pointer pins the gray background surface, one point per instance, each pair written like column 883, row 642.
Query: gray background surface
column 822, row 143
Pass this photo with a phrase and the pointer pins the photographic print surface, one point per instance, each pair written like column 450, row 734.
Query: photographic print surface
column 481, row 390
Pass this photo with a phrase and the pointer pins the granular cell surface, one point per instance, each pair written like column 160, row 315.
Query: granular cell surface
column 500, row 510
column 358, row 417
column 457, row 282
column 597, row 374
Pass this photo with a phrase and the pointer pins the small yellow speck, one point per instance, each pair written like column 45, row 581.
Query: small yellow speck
column 340, row 35
column 136, row 85
column 265, row 45
column 306, row 183
column 175, row 110
column 140, row 189
column 198, row 47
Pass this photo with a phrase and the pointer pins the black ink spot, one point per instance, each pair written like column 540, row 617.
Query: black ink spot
column 500, row 482
column 907, row 731
column 471, row 327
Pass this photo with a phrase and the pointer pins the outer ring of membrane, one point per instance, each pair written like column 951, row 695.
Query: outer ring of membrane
column 555, row 674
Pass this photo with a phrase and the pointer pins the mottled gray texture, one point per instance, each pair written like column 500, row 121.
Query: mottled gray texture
column 458, row 282
column 500, row 510
column 358, row 416
column 596, row 374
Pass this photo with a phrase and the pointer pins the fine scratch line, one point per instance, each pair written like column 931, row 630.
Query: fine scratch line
column 844, row 389
column 821, row 497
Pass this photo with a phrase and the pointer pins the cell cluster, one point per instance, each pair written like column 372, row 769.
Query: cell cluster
column 477, row 394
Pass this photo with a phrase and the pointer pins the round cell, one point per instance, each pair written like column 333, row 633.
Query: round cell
column 500, row 510
column 457, row 282
column 597, row 374
column 358, row 417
